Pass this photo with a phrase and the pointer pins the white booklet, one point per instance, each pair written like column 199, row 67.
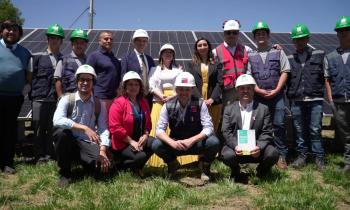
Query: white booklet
column 246, row 140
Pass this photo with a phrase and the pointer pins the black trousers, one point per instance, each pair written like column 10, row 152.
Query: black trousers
column 342, row 119
column 10, row 107
column 134, row 160
column 43, row 112
column 69, row 149
column 268, row 157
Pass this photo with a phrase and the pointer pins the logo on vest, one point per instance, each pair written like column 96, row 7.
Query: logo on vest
column 194, row 109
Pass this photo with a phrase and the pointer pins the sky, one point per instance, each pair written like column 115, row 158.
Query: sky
column 204, row 15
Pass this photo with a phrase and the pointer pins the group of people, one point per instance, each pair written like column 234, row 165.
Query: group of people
column 108, row 113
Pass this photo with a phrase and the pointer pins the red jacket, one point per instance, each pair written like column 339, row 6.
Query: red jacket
column 121, row 120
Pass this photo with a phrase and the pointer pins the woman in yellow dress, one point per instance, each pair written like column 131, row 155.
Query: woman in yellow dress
column 208, row 78
column 161, row 83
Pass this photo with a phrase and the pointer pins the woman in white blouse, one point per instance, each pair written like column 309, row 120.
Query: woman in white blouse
column 162, row 79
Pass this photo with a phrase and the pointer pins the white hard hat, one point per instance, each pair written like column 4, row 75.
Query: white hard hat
column 85, row 69
column 245, row 79
column 231, row 25
column 185, row 79
column 131, row 75
column 140, row 33
column 166, row 46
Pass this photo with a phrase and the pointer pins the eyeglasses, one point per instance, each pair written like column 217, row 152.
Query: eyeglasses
column 231, row 32
column 82, row 80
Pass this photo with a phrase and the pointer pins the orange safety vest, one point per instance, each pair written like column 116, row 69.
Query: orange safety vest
column 234, row 66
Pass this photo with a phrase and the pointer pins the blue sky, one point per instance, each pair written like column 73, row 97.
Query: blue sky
column 281, row 15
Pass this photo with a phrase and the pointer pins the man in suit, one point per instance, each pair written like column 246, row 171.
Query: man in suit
column 136, row 60
column 247, row 114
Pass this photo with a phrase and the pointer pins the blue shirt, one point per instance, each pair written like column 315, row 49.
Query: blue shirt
column 83, row 113
column 13, row 65
column 108, row 70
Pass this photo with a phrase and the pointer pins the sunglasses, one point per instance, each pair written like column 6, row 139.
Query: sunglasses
column 231, row 32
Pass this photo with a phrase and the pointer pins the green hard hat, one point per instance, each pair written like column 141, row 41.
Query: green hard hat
column 79, row 34
column 299, row 31
column 55, row 30
column 261, row 25
column 343, row 22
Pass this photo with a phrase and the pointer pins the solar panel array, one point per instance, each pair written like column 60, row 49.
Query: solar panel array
column 183, row 42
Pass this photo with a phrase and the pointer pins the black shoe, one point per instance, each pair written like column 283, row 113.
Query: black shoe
column 299, row 162
column 9, row 170
column 346, row 169
column 172, row 168
column 320, row 163
column 63, row 181
column 263, row 172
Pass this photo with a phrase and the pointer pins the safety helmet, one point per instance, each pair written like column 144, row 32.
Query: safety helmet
column 85, row 69
column 55, row 30
column 131, row 75
column 166, row 46
column 185, row 79
column 140, row 33
column 79, row 34
column 343, row 22
column 261, row 25
column 299, row 31
column 231, row 25
column 245, row 79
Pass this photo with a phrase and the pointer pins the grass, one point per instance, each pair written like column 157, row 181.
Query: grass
column 34, row 187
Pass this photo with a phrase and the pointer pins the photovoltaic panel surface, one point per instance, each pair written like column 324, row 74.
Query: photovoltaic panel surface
column 326, row 42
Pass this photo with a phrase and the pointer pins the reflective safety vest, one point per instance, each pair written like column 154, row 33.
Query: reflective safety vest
column 266, row 75
column 234, row 65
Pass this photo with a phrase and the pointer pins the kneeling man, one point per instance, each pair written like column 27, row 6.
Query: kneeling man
column 247, row 115
column 191, row 129
column 81, row 128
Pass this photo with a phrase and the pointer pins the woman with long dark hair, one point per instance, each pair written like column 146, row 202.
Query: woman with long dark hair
column 208, row 78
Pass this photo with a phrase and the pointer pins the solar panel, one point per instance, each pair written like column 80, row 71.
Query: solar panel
column 326, row 42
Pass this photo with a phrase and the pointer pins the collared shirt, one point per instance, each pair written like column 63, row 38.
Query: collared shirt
column 246, row 115
column 206, row 121
column 83, row 113
column 59, row 66
column 108, row 70
column 138, row 55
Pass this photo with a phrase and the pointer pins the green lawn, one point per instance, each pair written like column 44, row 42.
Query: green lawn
column 34, row 187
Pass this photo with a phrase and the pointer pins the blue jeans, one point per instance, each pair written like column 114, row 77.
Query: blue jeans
column 208, row 148
column 307, row 120
column 277, row 112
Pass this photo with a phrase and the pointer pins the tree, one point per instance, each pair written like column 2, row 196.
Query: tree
column 9, row 12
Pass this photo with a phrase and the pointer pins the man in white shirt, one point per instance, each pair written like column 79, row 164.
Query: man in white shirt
column 191, row 129
column 247, row 114
column 76, row 136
